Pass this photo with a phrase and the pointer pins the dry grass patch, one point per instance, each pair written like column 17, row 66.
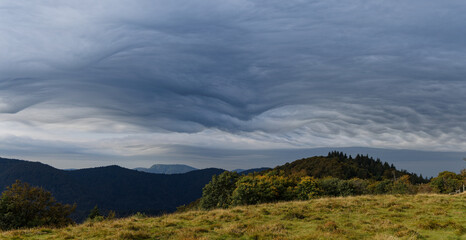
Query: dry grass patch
column 365, row 217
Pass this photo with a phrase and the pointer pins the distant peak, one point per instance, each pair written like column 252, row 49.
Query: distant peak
column 167, row 168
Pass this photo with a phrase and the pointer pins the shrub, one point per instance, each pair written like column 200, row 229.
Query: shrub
column 344, row 188
column 380, row 187
column 140, row 215
column 424, row 188
column 95, row 213
column 217, row 193
column 262, row 189
column 403, row 186
column 359, row 186
column 24, row 206
column 111, row 215
column 446, row 182
column 329, row 186
column 307, row 188
column 337, row 187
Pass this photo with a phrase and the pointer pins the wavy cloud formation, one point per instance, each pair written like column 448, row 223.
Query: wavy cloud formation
column 234, row 74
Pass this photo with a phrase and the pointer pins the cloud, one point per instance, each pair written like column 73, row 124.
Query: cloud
column 267, row 74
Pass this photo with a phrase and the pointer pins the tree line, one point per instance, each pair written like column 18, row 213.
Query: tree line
column 298, row 181
column 25, row 206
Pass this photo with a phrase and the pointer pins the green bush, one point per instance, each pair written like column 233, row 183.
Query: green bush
column 329, row 186
column 403, row 186
column 307, row 188
column 447, row 182
column 335, row 187
column 380, row 187
column 217, row 193
column 359, row 186
column 262, row 189
column 24, row 206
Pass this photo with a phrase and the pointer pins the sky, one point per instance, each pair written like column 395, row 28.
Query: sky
column 232, row 84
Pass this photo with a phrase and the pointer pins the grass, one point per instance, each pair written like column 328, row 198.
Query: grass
column 363, row 217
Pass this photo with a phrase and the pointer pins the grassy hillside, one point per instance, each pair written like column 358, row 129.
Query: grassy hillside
column 362, row 217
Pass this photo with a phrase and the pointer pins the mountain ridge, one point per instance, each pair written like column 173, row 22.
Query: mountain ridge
column 112, row 187
column 167, row 168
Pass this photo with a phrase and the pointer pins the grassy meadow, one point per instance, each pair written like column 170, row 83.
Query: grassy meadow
column 423, row 216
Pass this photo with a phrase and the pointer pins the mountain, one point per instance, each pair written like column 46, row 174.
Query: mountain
column 180, row 168
column 129, row 191
column 115, row 188
column 167, row 169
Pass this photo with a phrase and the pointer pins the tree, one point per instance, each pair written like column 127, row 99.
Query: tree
column 446, row 182
column 22, row 205
column 217, row 193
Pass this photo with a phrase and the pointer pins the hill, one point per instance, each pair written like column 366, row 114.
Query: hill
column 339, row 165
column 111, row 188
column 128, row 191
column 167, row 168
column 363, row 217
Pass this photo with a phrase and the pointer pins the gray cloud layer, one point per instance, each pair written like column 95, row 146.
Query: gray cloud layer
column 271, row 73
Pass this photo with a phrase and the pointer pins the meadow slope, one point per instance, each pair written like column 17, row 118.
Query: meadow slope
column 362, row 217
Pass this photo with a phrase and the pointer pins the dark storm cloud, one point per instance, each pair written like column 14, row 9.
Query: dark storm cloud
column 301, row 73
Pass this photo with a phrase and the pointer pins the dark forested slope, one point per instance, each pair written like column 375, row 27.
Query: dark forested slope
column 111, row 188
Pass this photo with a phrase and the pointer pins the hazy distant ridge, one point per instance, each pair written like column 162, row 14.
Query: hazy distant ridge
column 167, row 169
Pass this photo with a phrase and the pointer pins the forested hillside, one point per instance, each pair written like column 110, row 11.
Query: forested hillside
column 111, row 188
column 333, row 175
column 339, row 165
column 128, row 191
